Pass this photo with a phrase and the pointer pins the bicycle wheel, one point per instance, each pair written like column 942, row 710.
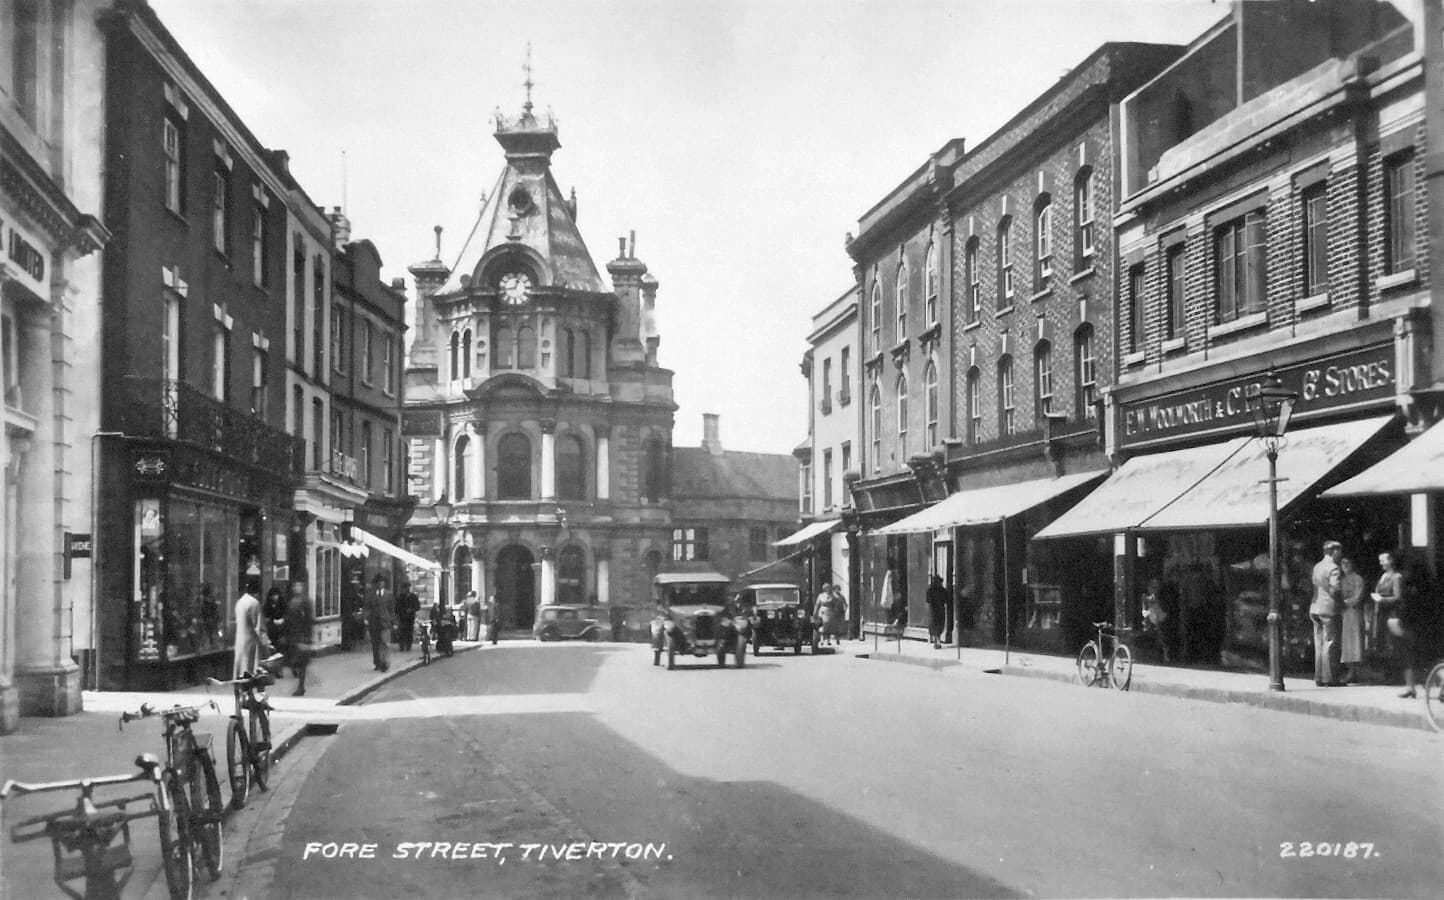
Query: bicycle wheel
column 1120, row 667
column 175, row 842
column 205, row 803
column 260, row 722
column 1088, row 669
column 238, row 763
column 1434, row 697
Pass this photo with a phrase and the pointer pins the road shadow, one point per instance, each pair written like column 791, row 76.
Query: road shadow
column 522, row 668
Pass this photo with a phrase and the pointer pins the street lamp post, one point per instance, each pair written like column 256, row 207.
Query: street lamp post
column 441, row 509
column 1272, row 404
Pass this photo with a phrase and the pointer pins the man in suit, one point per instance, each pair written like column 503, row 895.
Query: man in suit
column 379, row 612
column 1324, row 612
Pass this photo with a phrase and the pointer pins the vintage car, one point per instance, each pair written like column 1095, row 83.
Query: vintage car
column 779, row 617
column 694, row 619
column 558, row 622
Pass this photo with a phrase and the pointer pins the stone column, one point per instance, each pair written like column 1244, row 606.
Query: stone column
column 478, row 570
column 548, row 577
column 548, row 459
column 477, row 475
column 15, row 448
column 604, row 578
column 604, row 463
column 49, row 682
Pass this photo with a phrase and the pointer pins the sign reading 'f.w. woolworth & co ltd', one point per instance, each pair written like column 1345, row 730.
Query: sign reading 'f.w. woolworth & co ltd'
column 1344, row 379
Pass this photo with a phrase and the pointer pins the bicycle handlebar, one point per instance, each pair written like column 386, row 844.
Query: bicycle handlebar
column 148, row 764
column 248, row 680
column 146, row 711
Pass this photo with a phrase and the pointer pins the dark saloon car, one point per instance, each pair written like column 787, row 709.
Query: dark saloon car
column 558, row 622
column 695, row 619
column 779, row 617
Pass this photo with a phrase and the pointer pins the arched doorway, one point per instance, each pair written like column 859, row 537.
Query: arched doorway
column 461, row 572
column 516, row 586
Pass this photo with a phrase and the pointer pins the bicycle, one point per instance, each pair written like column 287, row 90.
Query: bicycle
column 1434, row 696
column 425, row 634
column 1116, row 669
column 248, row 735
column 191, row 773
column 83, row 838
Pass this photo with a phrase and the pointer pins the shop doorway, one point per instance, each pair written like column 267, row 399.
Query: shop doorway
column 516, row 586
column 461, row 565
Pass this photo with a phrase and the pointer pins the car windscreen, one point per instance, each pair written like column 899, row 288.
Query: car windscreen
column 695, row 594
column 777, row 595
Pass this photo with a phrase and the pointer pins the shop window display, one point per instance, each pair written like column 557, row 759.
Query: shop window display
column 201, row 571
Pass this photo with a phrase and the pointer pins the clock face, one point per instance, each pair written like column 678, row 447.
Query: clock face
column 514, row 288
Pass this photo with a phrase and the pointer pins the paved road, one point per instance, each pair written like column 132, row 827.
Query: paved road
column 802, row 776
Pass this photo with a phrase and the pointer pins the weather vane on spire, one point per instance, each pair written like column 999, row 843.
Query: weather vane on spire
column 526, row 67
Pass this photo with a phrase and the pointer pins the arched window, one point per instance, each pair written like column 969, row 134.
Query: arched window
column 902, row 417
column 461, row 571
column 466, row 353
column 974, row 401
column 501, row 347
column 1005, row 262
column 571, row 470
column 973, row 306
column 525, row 348
column 454, row 372
column 930, row 405
column 460, row 465
column 876, row 316
column 513, row 468
column 875, row 402
column 1085, row 373
column 568, row 343
column 1007, row 411
column 1042, row 381
column 655, row 481
column 571, row 575
column 1083, row 218
column 900, row 298
column 930, row 284
column 1042, row 242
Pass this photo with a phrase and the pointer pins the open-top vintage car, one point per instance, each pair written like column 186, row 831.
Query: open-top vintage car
column 779, row 617
column 559, row 621
column 695, row 619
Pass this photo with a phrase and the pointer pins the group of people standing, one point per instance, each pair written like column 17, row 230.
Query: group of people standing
column 283, row 622
column 829, row 615
column 1347, row 623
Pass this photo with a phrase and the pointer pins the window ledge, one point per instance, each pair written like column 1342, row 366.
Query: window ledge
column 1174, row 345
column 999, row 313
column 976, row 323
column 1398, row 279
column 1317, row 301
column 1086, row 273
column 1242, row 323
column 1134, row 359
column 1040, row 295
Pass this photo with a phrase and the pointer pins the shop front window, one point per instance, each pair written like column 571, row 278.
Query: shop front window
column 200, row 576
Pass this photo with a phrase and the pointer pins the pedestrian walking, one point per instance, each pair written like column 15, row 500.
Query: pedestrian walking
column 1351, row 623
column 1328, row 580
column 472, row 605
column 247, row 654
column 407, row 606
column 937, row 600
column 838, row 604
column 379, row 612
column 443, row 625
column 298, row 632
column 489, row 618
column 1402, row 600
column 823, row 613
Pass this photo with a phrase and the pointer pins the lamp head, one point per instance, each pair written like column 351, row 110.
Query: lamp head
column 1272, row 405
column 442, row 508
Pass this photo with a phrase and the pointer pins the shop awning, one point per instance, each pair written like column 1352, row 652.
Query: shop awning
column 1414, row 468
column 1213, row 486
column 982, row 506
column 807, row 532
column 776, row 562
column 363, row 536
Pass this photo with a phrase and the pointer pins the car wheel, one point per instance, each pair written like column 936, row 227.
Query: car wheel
column 741, row 652
column 594, row 635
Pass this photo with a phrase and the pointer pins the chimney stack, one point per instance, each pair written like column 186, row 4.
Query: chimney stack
column 711, row 441
column 340, row 228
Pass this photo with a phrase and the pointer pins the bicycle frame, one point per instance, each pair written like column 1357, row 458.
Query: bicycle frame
column 90, row 829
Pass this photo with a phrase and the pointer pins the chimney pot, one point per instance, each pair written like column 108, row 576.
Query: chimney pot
column 711, row 438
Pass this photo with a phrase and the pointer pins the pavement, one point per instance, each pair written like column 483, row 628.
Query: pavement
column 91, row 742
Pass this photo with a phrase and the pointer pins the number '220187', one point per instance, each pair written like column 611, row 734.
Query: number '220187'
column 1308, row 849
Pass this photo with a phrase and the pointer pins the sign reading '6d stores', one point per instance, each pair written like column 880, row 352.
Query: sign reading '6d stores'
column 1341, row 380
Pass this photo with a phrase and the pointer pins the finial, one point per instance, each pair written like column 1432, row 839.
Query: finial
column 437, row 229
column 526, row 67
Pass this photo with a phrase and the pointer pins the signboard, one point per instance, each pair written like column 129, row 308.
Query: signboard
column 1344, row 379
column 77, row 546
column 421, row 423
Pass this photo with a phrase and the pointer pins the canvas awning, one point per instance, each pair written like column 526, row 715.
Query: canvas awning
column 983, row 506
column 1220, row 485
column 776, row 562
column 807, row 532
column 363, row 536
column 1416, row 467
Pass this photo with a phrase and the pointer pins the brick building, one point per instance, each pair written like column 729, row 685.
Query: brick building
column 1272, row 225
column 536, row 408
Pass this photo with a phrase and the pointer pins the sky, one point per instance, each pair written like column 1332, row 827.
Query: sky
column 740, row 140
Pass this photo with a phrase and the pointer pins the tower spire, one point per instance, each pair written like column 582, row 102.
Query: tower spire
column 526, row 67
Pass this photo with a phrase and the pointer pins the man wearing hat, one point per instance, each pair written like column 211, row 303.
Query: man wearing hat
column 379, row 612
column 1328, row 592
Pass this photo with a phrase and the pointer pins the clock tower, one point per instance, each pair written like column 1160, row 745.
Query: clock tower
column 536, row 408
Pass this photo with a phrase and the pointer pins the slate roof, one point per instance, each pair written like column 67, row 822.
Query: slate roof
column 697, row 473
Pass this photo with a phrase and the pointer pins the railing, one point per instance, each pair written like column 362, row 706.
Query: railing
column 158, row 407
column 345, row 466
